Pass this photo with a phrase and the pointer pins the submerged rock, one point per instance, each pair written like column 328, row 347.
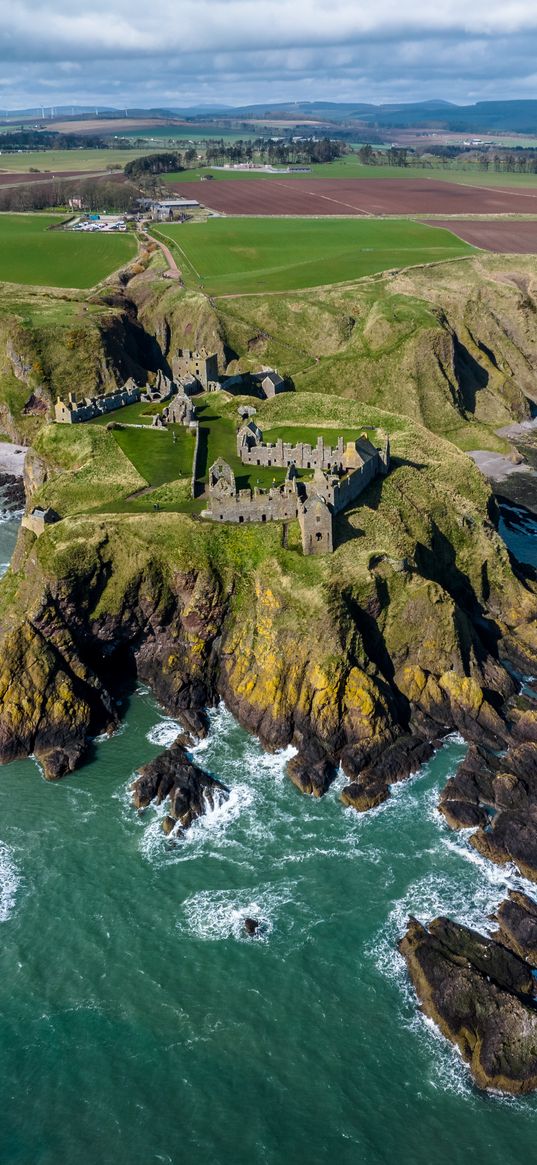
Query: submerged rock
column 498, row 795
column 251, row 926
column 480, row 993
column 190, row 790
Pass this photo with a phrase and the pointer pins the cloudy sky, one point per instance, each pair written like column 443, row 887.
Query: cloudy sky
column 183, row 52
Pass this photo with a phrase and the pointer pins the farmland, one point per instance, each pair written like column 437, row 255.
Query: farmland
column 294, row 196
column 55, row 162
column 508, row 237
column 228, row 256
column 31, row 253
column 350, row 167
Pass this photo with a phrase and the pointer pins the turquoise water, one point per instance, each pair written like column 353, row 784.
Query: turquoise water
column 138, row 1025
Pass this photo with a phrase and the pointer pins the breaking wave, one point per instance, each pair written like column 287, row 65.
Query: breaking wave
column 9, row 883
column 216, row 915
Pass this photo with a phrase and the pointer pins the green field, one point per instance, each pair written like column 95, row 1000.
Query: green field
column 55, row 161
column 351, row 167
column 183, row 134
column 137, row 414
column 32, row 253
column 244, row 255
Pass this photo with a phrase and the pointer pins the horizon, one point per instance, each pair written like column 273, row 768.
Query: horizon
column 224, row 51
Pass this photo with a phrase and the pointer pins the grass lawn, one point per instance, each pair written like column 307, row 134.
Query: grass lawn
column 31, row 253
column 218, row 438
column 243, row 255
column 155, row 454
column 137, row 414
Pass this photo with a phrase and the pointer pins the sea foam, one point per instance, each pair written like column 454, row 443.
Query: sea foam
column 9, row 883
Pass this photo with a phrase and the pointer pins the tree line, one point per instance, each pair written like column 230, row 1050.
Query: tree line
column 42, row 139
column 96, row 194
column 274, row 151
column 151, row 164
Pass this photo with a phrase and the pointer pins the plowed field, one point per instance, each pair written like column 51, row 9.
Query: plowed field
column 356, row 196
column 508, row 238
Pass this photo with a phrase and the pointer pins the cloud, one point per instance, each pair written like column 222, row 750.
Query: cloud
column 181, row 51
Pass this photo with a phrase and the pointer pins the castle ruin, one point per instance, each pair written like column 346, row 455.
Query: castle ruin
column 200, row 364
column 341, row 474
column 73, row 411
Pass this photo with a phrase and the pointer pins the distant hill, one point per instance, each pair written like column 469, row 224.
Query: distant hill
column 483, row 117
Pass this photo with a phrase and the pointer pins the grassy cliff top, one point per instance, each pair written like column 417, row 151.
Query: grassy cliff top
column 432, row 487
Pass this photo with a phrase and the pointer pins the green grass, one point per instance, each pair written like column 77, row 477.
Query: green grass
column 137, row 414
column 351, row 167
column 55, row 161
column 90, row 470
column 155, row 455
column 218, row 438
column 30, row 253
column 297, row 432
column 181, row 135
column 243, row 255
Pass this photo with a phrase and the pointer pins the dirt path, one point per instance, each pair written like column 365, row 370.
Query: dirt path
column 173, row 270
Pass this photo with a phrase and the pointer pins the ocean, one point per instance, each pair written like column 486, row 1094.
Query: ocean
column 139, row 1024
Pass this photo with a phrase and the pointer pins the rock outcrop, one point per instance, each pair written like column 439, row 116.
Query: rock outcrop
column 517, row 925
column 189, row 791
column 480, row 993
column 497, row 794
column 370, row 784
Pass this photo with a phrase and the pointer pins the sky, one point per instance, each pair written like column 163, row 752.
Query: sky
column 191, row 52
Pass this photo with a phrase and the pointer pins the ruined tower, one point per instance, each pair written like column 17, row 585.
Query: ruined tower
column 316, row 522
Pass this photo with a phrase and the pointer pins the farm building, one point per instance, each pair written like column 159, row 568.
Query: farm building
column 167, row 209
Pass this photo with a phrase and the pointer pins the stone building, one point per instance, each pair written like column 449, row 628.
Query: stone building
column 73, row 411
column 38, row 519
column 270, row 383
column 228, row 504
column 197, row 363
column 161, row 390
column 252, row 450
column 352, row 466
column 316, row 524
column 180, row 411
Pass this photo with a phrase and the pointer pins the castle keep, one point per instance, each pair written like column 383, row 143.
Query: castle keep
column 201, row 365
column 341, row 473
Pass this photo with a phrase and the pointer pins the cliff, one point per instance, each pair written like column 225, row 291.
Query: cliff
column 398, row 636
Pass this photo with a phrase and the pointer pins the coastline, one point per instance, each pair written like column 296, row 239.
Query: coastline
column 12, row 458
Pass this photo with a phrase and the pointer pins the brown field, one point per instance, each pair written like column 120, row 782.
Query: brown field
column 507, row 238
column 349, row 196
column 98, row 125
column 14, row 178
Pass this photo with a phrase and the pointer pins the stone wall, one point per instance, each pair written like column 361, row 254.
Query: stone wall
column 278, row 504
column 283, row 453
column 72, row 412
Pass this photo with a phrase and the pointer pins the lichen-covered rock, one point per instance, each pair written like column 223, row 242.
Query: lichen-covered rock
column 481, row 996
